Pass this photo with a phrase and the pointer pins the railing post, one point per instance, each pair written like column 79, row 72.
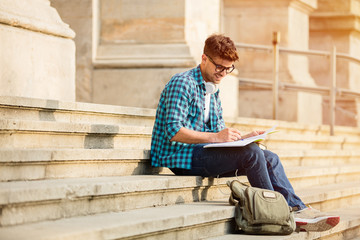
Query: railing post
column 275, row 89
column 332, row 90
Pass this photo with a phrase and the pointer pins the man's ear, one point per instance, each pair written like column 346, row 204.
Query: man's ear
column 203, row 58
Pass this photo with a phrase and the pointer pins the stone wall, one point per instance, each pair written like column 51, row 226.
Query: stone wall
column 137, row 50
column 253, row 22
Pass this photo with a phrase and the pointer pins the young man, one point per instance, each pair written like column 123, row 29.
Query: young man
column 189, row 115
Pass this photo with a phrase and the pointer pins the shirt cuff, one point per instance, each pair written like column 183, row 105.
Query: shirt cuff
column 172, row 129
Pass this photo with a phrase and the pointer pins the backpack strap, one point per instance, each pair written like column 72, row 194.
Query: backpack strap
column 237, row 189
column 232, row 200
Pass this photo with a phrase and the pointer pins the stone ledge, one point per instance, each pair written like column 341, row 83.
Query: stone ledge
column 143, row 63
column 56, row 189
column 336, row 22
column 124, row 224
column 21, row 155
column 58, row 155
column 70, row 128
column 158, row 220
column 309, row 171
column 144, row 56
column 38, row 164
column 48, row 104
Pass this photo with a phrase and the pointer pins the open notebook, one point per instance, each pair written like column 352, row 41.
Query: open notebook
column 243, row 142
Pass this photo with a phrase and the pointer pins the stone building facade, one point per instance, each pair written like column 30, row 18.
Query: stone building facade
column 337, row 23
column 126, row 50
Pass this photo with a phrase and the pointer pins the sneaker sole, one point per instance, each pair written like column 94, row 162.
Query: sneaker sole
column 319, row 225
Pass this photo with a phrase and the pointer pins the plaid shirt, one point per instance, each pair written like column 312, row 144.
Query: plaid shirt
column 182, row 104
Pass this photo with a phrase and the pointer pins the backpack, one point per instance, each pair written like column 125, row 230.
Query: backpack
column 260, row 211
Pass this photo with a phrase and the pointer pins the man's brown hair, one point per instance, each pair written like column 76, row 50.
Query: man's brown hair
column 218, row 45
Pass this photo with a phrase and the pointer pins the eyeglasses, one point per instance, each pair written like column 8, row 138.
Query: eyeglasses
column 220, row 68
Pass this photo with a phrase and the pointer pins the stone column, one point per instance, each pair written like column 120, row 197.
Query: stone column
column 139, row 45
column 37, row 51
column 337, row 23
column 78, row 14
column 253, row 22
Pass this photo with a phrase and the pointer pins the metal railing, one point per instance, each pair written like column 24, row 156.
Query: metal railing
column 332, row 91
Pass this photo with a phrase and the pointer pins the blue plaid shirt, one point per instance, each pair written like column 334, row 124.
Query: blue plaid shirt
column 182, row 104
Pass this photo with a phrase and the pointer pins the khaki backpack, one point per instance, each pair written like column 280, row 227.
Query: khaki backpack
column 260, row 211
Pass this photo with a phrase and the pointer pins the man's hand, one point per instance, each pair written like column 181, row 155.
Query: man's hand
column 253, row 133
column 228, row 135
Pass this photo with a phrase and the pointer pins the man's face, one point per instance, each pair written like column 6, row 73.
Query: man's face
column 211, row 66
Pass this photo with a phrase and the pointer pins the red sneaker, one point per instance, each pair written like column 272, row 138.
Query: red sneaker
column 312, row 220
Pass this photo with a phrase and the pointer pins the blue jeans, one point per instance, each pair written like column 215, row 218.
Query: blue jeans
column 262, row 168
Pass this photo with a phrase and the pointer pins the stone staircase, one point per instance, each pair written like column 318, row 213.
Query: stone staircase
column 82, row 171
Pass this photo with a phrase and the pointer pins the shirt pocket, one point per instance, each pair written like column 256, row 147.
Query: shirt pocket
column 195, row 113
column 193, row 109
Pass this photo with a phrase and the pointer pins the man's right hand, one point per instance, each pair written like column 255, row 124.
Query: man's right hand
column 228, row 135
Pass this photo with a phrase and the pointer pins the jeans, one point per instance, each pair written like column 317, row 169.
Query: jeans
column 262, row 168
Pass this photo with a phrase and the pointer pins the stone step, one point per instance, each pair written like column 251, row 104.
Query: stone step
column 286, row 127
column 77, row 112
column 41, row 134
column 35, row 164
column 317, row 157
column 328, row 197
column 347, row 229
column 31, row 109
column 33, row 201
column 286, row 141
column 203, row 220
column 302, row 177
column 37, row 134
